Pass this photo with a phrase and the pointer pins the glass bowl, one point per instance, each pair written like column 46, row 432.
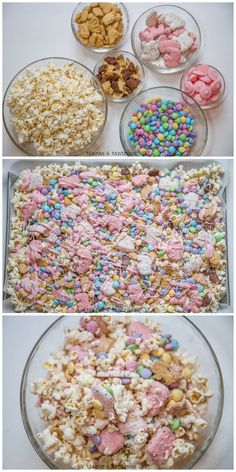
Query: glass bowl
column 191, row 339
column 136, row 62
column 191, row 26
column 29, row 148
column 165, row 93
column 125, row 16
column 211, row 104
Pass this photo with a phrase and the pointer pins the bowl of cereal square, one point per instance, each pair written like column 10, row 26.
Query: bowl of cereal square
column 100, row 27
column 54, row 107
column 121, row 391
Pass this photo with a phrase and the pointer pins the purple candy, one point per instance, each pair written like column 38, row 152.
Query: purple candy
column 146, row 373
column 96, row 439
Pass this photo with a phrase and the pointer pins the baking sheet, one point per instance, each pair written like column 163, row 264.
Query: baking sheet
column 18, row 166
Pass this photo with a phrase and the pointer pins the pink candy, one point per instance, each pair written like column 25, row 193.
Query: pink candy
column 157, row 396
column 203, row 83
column 112, row 442
column 139, row 328
column 160, row 443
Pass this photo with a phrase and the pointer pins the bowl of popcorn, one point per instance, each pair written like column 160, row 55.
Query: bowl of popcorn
column 101, row 392
column 162, row 122
column 121, row 75
column 205, row 84
column 54, row 107
column 166, row 38
column 100, row 27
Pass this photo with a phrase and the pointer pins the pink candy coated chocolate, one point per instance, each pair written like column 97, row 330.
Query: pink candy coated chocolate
column 112, row 442
column 160, row 443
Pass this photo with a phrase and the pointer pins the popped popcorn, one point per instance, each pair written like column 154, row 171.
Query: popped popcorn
column 56, row 108
column 117, row 420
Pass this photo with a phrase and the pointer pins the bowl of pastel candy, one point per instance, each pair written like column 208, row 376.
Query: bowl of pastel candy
column 205, row 84
column 166, row 38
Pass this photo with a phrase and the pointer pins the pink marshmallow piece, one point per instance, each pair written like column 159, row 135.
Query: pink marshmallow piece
column 160, row 443
column 205, row 92
column 137, row 327
column 112, row 442
column 213, row 74
column 157, row 397
column 215, row 86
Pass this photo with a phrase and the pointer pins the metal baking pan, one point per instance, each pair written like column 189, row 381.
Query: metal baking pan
column 15, row 167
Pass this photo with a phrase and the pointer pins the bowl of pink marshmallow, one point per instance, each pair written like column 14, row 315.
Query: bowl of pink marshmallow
column 167, row 39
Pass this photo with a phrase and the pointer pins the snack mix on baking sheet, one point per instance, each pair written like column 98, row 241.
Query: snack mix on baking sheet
column 119, row 76
column 120, row 394
column 165, row 42
column 89, row 239
column 100, row 25
column 56, row 108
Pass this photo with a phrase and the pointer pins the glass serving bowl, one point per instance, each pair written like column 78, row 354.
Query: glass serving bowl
column 191, row 26
column 191, row 339
column 125, row 16
column 28, row 148
column 221, row 97
column 165, row 93
column 136, row 62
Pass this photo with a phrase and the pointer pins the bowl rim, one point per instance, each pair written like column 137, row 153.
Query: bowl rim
column 221, row 98
column 47, row 460
column 101, row 50
column 148, row 64
column 156, row 88
column 139, row 89
column 50, row 58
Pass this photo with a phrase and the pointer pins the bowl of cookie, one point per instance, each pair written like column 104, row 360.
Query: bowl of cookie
column 100, row 27
column 120, row 74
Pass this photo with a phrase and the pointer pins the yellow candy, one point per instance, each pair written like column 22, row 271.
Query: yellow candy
column 181, row 149
column 71, row 195
column 97, row 405
column 99, row 414
column 166, row 358
column 171, row 293
column 190, row 128
column 144, row 357
column 70, row 368
column 138, row 242
column 116, row 277
column 176, row 395
column 175, row 126
column 186, row 373
column 152, row 278
column 98, row 198
column 158, row 352
column 134, row 119
column 160, row 136
column 139, row 115
column 166, row 298
column 186, row 144
column 183, row 119
column 170, row 309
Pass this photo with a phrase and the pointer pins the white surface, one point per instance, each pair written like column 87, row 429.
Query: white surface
column 17, row 165
column 218, row 330
column 32, row 31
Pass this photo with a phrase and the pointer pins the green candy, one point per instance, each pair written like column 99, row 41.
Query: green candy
column 192, row 229
column 164, row 118
column 178, row 121
column 178, row 211
column 174, row 116
column 162, row 342
column 95, row 183
column 156, row 153
column 165, row 125
column 132, row 347
column 171, row 189
column 182, row 137
column 181, row 225
column 90, row 181
column 139, row 369
column 218, row 237
column 164, row 107
column 108, row 389
column 161, row 253
column 175, row 424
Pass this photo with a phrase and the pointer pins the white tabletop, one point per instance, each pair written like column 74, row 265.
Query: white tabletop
column 20, row 334
column 33, row 31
